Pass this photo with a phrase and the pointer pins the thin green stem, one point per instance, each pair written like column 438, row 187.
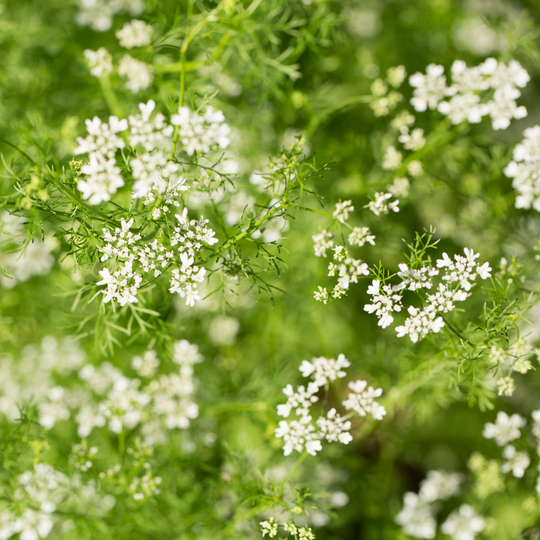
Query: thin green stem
column 299, row 462
column 110, row 98
column 121, row 442
column 183, row 67
column 458, row 333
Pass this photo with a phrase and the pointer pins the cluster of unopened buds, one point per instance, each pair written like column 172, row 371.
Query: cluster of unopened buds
column 302, row 434
column 457, row 278
column 270, row 527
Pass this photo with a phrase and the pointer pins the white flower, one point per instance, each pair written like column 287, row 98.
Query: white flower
column 506, row 428
column 201, row 132
column 100, row 62
column 99, row 14
column 400, row 187
column 440, row 485
column 299, row 435
column 429, row 89
column 412, row 141
column 363, row 401
column 269, row 527
column 139, row 74
column 323, row 370
column 380, row 205
column 524, row 170
column 516, row 462
column 417, row 517
column 146, row 365
column 463, row 524
column 321, row 295
column 384, row 302
column 322, row 242
column 102, row 176
column 334, row 428
column 361, row 235
column 392, row 159
column 134, row 34
column 342, row 211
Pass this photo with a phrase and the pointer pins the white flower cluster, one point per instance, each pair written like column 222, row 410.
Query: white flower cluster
column 508, row 361
column 19, row 262
column 525, row 170
column 346, row 268
column 165, row 403
column 134, row 34
column 418, row 518
column 188, row 238
column 506, row 429
column 384, row 97
column 139, row 74
column 99, row 14
column 382, row 205
column 100, row 62
column 489, row 89
column 39, row 492
column 146, row 486
column 103, row 177
column 342, row 211
column 270, row 528
column 32, row 377
column 458, row 277
column 301, row 434
column 151, row 137
column 152, row 171
column 201, row 132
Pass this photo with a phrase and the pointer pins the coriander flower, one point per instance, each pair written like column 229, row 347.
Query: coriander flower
column 299, row 435
column 323, row 370
column 139, row 74
column 417, row 517
column 269, row 527
column 440, row 485
column 361, row 235
column 100, row 62
column 429, row 89
column 516, row 462
column 380, row 205
column 134, row 34
column 322, row 242
column 342, row 211
column 392, row 159
column 506, row 428
column 201, row 132
column 463, row 524
column 363, row 401
column 334, row 428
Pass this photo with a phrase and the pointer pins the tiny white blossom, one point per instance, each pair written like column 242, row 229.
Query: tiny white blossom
column 361, row 235
column 463, row 524
column 429, row 89
column 100, row 62
column 342, row 211
column 506, row 428
column 392, row 159
column 322, row 242
column 134, row 34
column 139, row 74
column 440, row 485
column 516, row 461
column 417, row 517
column 363, row 401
